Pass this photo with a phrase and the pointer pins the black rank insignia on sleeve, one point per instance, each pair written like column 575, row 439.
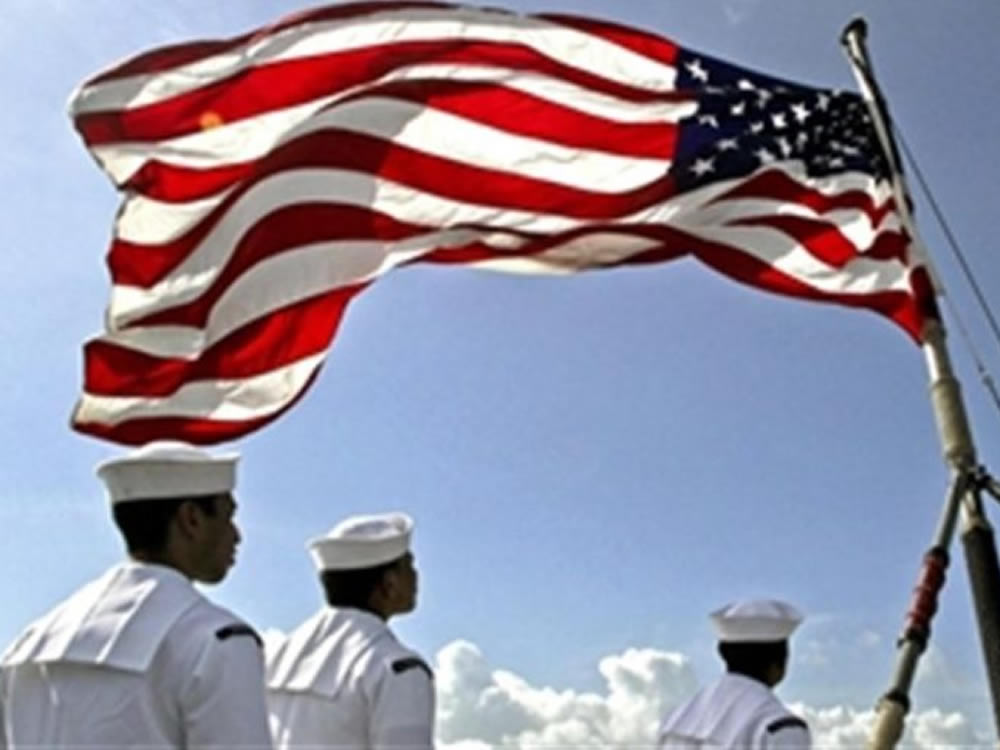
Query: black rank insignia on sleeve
column 238, row 629
column 785, row 723
column 411, row 662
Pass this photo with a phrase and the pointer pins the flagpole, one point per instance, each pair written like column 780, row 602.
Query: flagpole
column 968, row 480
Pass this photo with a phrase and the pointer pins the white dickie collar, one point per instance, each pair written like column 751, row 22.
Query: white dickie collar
column 317, row 657
column 117, row 621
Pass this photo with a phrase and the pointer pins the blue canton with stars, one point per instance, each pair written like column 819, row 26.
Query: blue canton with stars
column 746, row 120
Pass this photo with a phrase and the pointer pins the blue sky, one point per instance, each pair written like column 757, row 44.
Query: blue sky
column 593, row 462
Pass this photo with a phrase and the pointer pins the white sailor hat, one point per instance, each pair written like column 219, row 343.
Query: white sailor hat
column 167, row 469
column 756, row 621
column 362, row 542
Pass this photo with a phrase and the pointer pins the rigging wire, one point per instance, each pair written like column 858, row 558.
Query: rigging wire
column 970, row 279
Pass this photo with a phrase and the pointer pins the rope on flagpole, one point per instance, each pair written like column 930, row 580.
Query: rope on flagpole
column 956, row 249
column 959, row 453
column 984, row 374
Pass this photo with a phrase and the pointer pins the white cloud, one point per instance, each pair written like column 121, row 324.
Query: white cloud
column 480, row 707
column 844, row 728
column 934, row 728
column 497, row 707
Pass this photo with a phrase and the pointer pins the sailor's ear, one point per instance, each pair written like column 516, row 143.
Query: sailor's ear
column 189, row 518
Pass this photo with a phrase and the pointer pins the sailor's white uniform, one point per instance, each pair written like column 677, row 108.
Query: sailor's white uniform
column 735, row 712
column 135, row 659
column 341, row 679
column 738, row 712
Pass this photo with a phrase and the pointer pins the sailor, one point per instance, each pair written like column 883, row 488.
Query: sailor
column 138, row 657
column 739, row 710
column 341, row 679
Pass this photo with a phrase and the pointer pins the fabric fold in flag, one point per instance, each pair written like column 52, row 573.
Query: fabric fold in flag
column 270, row 177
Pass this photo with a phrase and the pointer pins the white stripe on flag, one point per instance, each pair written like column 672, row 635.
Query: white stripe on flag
column 225, row 400
column 250, row 138
column 568, row 46
column 776, row 249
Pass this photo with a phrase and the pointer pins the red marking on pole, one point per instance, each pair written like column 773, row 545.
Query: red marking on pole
column 925, row 594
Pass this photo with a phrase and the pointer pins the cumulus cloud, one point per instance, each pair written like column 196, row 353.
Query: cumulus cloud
column 843, row 728
column 484, row 706
column 934, row 728
column 481, row 707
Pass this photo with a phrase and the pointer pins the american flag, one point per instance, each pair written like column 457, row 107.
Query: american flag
column 270, row 177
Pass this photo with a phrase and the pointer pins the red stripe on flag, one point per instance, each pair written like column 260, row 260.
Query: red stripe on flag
column 890, row 246
column 639, row 41
column 776, row 185
column 537, row 244
column 285, row 230
column 174, row 183
column 825, row 241
column 278, row 230
column 523, row 114
column 736, row 264
column 198, row 431
column 336, row 149
column 506, row 109
column 898, row 306
column 460, row 181
column 287, row 83
column 277, row 339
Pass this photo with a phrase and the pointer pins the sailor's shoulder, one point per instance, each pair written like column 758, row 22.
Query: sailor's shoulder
column 397, row 659
column 206, row 623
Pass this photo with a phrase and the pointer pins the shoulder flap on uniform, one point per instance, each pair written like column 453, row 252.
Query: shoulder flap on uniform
column 116, row 621
column 411, row 662
column 238, row 629
column 786, row 722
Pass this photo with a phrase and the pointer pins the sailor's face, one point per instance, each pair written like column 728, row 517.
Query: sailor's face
column 217, row 540
column 404, row 581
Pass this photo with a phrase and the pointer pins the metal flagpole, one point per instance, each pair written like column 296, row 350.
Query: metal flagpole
column 968, row 480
